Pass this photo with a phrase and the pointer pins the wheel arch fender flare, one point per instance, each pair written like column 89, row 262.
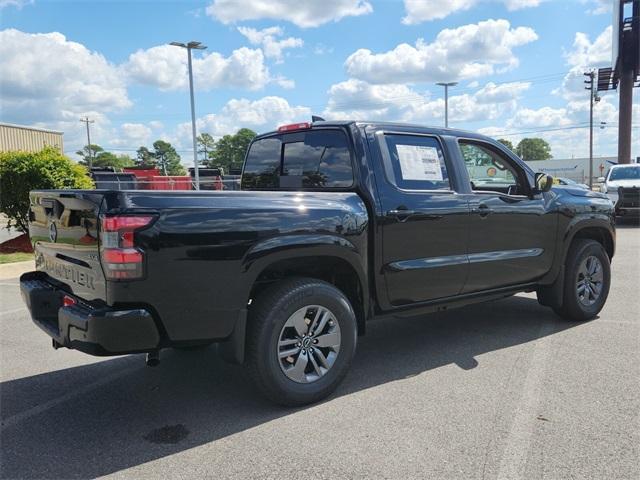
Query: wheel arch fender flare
column 596, row 228
column 290, row 248
column 599, row 229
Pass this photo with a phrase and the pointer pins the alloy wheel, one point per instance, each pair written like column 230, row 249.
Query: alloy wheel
column 309, row 344
column 590, row 281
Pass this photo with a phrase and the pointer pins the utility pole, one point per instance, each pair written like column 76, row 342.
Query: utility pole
column 446, row 86
column 86, row 121
column 593, row 98
column 190, row 46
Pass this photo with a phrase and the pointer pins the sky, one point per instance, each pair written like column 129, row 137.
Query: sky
column 519, row 66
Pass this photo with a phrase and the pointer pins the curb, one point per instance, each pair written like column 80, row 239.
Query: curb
column 15, row 269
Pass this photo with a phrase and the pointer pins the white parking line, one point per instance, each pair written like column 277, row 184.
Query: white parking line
column 514, row 456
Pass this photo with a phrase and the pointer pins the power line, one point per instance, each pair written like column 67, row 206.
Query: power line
column 543, row 130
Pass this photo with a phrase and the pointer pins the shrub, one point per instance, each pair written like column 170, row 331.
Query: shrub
column 21, row 172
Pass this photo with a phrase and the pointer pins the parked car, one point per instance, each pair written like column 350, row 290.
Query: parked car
column 337, row 223
column 622, row 185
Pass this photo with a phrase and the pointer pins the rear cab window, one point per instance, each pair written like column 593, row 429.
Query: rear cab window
column 312, row 159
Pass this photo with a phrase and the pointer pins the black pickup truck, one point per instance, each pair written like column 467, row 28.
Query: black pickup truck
column 336, row 223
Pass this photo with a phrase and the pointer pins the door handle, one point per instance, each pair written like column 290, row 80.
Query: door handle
column 483, row 210
column 401, row 214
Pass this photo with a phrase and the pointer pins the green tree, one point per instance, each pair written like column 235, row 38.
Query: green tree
column 108, row 159
column 206, row 144
column 21, row 172
column 507, row 143
column 89, row 151
column 230, row 150
column 530, row 149
column 145, row 158
column 474, row 155
column 167, row 158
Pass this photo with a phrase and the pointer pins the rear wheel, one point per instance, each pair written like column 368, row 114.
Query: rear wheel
column 300, row 341
column 587, row 281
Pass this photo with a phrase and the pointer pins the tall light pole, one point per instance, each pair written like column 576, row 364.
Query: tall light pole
column 446, row 86
column 191, row 46
column 87, row 122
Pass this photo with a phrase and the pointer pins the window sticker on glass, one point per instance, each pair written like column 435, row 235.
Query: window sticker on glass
column 419, row 162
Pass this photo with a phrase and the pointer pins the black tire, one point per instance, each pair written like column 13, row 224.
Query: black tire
column 267, row 317
column 572, row 308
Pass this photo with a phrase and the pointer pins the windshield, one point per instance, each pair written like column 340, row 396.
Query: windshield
column 626, row 173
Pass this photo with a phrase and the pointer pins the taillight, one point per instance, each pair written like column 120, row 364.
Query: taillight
column 294, row 126
column 121, row 259
column 68, row 301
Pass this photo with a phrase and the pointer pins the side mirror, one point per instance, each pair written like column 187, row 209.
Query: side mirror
column 544, row 182
column 601, row 179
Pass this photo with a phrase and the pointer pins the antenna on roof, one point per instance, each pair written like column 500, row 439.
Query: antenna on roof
column 316, row 118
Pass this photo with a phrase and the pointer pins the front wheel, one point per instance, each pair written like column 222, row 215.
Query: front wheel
column 587, row 281
column 300, row 341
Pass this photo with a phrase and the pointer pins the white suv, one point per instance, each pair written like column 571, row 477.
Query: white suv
column 625, row 176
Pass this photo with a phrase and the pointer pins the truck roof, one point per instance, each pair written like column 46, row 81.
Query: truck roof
column 409, row 127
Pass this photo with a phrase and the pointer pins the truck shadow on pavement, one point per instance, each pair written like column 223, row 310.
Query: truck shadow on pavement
column 115, row 414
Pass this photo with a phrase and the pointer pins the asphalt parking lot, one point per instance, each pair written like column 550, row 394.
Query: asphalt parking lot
column 501, row 390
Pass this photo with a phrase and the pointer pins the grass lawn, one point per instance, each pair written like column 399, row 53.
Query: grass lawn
column 15, row 257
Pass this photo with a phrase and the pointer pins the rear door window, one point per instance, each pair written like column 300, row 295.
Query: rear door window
column 312, row 159
column 417, row 163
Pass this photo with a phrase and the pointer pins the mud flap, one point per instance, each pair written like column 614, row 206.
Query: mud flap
column 232, row 349
column 552, row 295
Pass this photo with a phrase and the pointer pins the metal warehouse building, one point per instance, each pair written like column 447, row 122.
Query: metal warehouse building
column 29, row 139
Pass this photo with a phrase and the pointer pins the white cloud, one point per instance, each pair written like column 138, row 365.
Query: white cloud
column 165, row 67
column 268, row 39
column 537, row 118
column 586, row 53
column 359, row 100
column 355, row 99
column 418, row 11
column 520, row 4
column 465, row 52
column 15, row 3
column 304, row 14
column 261, row 115
column 599, row 6
column 132, row 135
column 584, row 56
column 47, row 78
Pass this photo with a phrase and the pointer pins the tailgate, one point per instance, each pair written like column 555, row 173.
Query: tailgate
column 64, row 228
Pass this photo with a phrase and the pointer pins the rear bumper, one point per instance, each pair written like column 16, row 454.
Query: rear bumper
column 81, row 327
